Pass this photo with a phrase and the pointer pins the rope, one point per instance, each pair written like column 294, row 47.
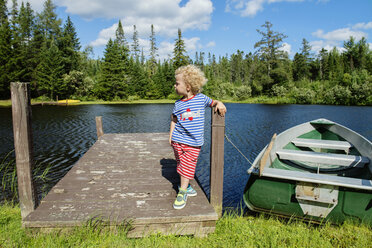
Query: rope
column 227, row 138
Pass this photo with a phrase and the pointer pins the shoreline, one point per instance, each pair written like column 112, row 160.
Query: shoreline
column 253, row 100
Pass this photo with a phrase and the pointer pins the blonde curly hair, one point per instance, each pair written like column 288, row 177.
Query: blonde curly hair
column 193, row 77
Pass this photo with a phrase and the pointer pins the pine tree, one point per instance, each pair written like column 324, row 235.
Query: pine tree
column 49, row 72
column 26, row 25
column 120, row 36
column 269, row 50
column 113, row 80
column 153, row 53
column 179, row 52
column 49, row 22
column 36, row 46
column 323, row 64
column 269, row 46
column 139, row 82
column 135, row 45
column 335, row 65
column 69, row 46
column 5, row 51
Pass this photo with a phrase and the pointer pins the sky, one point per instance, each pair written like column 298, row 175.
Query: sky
column 219, row 27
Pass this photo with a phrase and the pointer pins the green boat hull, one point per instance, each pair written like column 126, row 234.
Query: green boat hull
column 277, row 196
column 313, row 191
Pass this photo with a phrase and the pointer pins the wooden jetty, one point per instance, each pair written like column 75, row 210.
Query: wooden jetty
column 129, row 179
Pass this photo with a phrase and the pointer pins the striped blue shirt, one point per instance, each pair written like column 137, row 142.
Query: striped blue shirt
column 190, row 113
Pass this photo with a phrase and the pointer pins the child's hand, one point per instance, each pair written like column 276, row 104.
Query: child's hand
column 221, row 108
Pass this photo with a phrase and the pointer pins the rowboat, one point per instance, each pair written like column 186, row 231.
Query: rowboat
column 317, row 171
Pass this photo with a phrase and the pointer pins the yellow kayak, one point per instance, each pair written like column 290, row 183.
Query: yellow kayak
column 68, row 101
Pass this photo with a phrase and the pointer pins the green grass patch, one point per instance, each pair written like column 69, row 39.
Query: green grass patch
column 232, row 230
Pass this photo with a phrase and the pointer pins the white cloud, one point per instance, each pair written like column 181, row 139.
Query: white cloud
column 36, row 5
column 165, row 50
column 192, row 44
column 363, row 25
column 335, row 38
column 339, row 34
column 211, row 44
column 104, row 36
column 317, row 45
column 286, row 48
column 166, row 15
column 250, row 7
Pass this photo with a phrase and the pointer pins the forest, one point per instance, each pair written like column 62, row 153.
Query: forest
column 40, row 49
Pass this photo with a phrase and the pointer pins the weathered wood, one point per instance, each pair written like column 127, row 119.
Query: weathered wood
column 22, row 131
column 266, row 154
column 217, row 161
column 103, row 184
column 99, row 126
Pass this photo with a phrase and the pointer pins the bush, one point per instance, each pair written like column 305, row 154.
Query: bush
column 279, row 91
column 133, row 98
column 173, row 96
column 222, row 91
column 303, row 95
column 256, row 87
column 338, row 95
column 243, row 92
column 361, row 93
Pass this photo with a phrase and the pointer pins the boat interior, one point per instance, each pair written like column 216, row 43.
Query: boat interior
column 320, row 151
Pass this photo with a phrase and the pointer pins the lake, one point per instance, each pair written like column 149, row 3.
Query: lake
column 63, row 134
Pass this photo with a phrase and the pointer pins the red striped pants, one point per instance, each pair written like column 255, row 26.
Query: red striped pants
column 187, row 157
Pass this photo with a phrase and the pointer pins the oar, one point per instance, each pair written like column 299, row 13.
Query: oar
column 266, row 154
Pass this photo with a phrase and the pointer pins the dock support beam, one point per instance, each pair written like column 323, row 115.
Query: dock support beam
column 217, row 161
column 22, row 131
column 99, row 126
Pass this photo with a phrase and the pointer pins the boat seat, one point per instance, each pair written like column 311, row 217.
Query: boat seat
column 327, row 144
column 323, row 158
column 355, row 183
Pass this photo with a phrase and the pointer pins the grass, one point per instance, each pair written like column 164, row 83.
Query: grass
column 232, row 230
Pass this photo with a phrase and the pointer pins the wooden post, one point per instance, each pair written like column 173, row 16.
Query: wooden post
column 217, row 160
column 22, row 131
column 99, row 126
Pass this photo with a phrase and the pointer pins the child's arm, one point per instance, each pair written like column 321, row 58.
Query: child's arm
column 220, row 107
column 172, row 126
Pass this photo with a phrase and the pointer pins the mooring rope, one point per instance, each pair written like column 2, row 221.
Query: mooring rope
column 227, row 138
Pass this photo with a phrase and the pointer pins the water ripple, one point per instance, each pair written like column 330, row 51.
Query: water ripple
column 63, row 134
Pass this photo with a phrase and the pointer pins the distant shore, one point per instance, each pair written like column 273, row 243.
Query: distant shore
column 261, row 99
column 252, row 100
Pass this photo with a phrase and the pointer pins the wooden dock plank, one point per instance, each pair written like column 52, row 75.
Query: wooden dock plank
column 125, row 178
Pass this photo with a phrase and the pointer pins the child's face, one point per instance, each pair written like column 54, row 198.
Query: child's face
column 181, row 88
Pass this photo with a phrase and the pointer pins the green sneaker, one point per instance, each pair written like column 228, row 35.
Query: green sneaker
column 181, row 199
column 190, row 191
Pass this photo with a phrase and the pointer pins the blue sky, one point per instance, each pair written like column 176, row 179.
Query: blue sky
column 219, row 27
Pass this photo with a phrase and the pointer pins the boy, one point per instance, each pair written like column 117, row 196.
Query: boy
column 187, row 126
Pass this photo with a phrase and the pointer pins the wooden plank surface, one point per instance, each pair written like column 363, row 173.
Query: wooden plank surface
column 125, row 178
